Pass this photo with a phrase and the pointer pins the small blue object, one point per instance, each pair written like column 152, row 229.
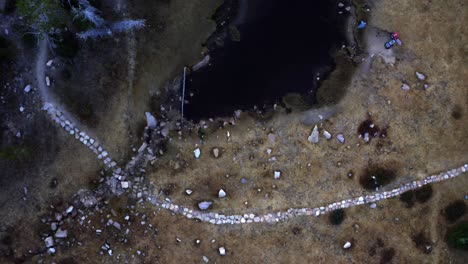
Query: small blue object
column 390, row 44
column 243, row 180
column 362, row 25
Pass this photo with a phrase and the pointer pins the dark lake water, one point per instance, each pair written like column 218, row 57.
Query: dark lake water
column 284, row 45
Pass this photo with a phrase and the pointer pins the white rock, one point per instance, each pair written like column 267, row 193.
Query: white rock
column 327, row 134
column 151, row 120
column 222, row 251
column 27, row 89
column 51, row 250
column 188, row 191
column 49, row 63
column 216, row 152
column 125, row 184
column 21, row 109
column 204, row 205
column 420, row 76
column 340, row 138
column 314, row 136
column 373, row 205
column 61, row 233
column 221, row 193
column 69, row 209
column 47, row 80
column 340, row 4
column 347, row 245
column 405, row 87
column 277, row 174
column 49, row 241
column 197, row 153
column 206, row 259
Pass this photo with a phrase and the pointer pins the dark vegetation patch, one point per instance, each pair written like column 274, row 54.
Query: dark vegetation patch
column 67, row 46
column 387, row 255
column 18, row 153
column 53, row 183
column 420, row 195
column 10, row 6
column 423, row 194
column 68, row 260
column 29, row 40
column 457, row 112
column 368, row 129
column 457, row 237
column 384, row 132
column 296, row 230
column 337, row 216
column 407, row 198
column 422, row 242
column 373, row 248
column 377, row 176
column 168, row 189
column 7, row 50
column 454, row 211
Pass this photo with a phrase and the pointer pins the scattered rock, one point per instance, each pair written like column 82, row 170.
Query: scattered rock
column 340, row 4
column 340, row 138
column 69, row 209
column 347, row 245
column 165, row 132
column 151, row 120
column 314, row 136
column 27, row 89
column 87, row 198
column 49, row 241
column 243, row 180
column 327, row 135
column 206, row 259
column 405, row 87
column 222, row 251
column 47, row 80
column 125, row 184
column 216, row 152
column 204, row 205
column 197, row 153
column 21, row 109
column 61, row 233
column 277, row 174
column 420, row 76
column 188, row 192
column 221, row 193
column 49, row 63
column 271, row 137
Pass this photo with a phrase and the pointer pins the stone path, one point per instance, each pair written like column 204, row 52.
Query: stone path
column 121, row 183
column 218, row 219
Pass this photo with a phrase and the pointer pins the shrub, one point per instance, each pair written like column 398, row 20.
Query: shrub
column 337, row 217
column 457, row 237
column 454, row 211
